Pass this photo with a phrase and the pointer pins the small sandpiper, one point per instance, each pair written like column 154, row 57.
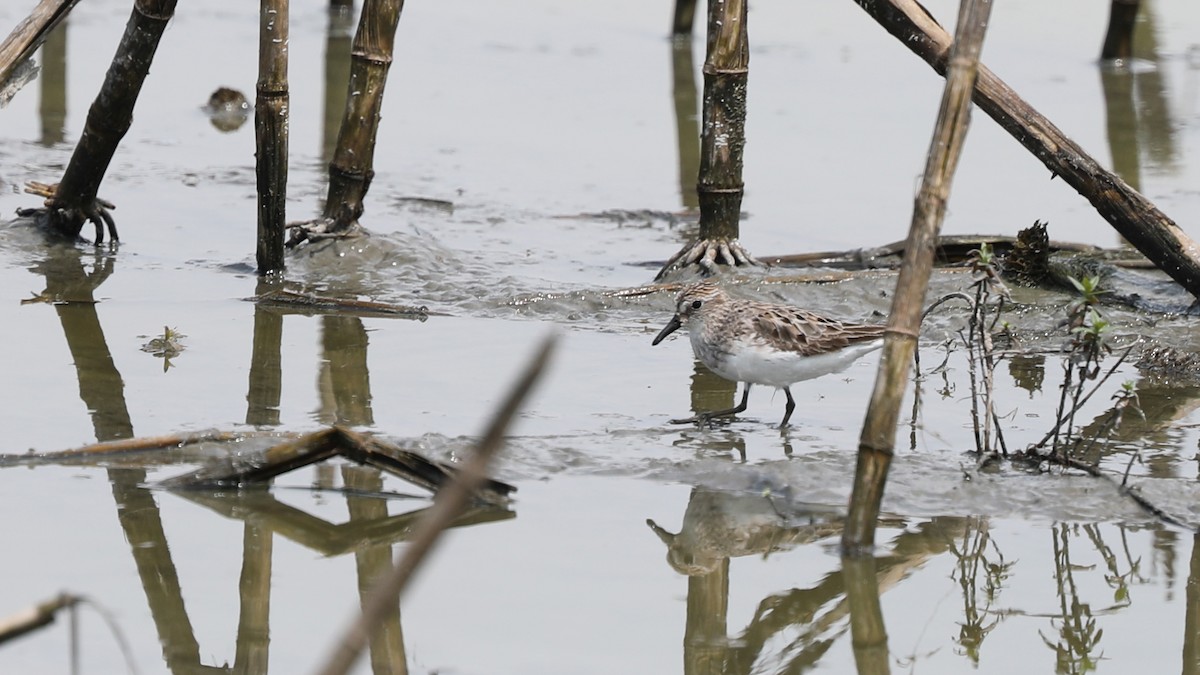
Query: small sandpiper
column 764, row 343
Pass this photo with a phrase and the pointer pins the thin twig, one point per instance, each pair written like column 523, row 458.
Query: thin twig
column 1084, row 401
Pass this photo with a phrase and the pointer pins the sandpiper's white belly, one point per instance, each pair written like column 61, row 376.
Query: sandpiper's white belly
column 759, row 363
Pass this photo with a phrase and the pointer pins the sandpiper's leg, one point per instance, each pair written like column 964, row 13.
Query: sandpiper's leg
column 791, row 405
column 702, row 419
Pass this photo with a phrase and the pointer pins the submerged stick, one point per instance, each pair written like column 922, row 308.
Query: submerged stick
column 449, row 503
column 1136, row 218
column 28, row 35
column 878, row 437
column 271, row 133
column 125, row 446
column 305, row 302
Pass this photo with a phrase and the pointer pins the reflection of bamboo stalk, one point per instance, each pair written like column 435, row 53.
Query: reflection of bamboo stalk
column 271, row 132
column 265, row 388
column 879, row 429
column 1191, row 617
column 867, row 631
column 371, row 563
column 52, row 109
column 687, row 125
column 449, row 503
column 685, row 14
column 254, row 601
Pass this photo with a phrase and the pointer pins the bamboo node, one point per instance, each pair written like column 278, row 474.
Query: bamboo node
column 901, row 332
column 715, row 70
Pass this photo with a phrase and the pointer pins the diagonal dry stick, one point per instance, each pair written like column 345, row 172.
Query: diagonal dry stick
column 448, row 504
column 1136, row 218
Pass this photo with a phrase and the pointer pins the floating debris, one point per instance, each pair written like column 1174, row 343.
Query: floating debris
column 227, row 109
column 315, row 304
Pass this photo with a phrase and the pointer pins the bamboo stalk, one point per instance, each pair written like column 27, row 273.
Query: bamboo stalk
column 1133, row 216
column 28, row 35
column 726, row 72
column 1118, row 38
column 109, row 118
column 352, row 167
column 449, row 502
column 878, row 437
column 722, row 140
column 271, row 133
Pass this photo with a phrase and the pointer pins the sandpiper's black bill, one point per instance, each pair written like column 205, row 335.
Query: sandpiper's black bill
column 672, row 326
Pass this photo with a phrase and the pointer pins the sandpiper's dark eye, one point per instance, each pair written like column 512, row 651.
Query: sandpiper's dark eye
column 696, row 304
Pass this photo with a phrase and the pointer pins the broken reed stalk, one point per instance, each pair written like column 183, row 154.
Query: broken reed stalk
column 125, row 446
column 1118, row 39
column 878, row 437
column 352, row 168
column 1134, row 217
column 722, row 140
column 28, row 35
column 271, row 133
column 685, row 16
column 109, row 118
column 449, row 503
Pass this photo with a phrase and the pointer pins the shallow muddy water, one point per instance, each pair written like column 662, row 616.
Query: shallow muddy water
column 528, row 161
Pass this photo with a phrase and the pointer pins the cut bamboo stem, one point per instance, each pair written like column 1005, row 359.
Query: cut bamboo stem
column 1118, row 39
column 877, row 442
column 271, row 133
column 1137, row 219
column 75, row 199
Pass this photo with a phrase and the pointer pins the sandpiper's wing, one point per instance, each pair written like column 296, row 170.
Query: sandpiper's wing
column 796, row 330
